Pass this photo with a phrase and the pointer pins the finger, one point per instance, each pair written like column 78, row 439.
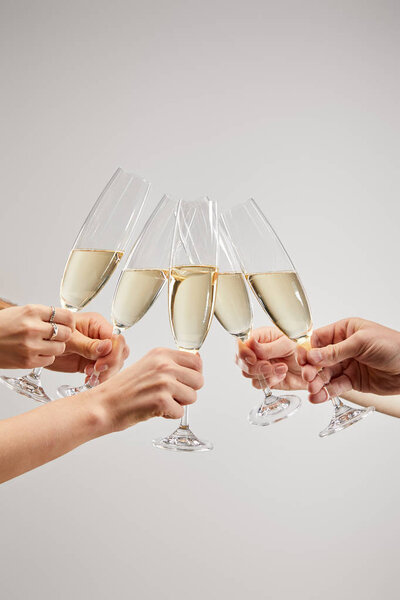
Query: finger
column 183, row 394
column 245, row 354
column 190, row 378
column 321, row 396
column 277, row 349
column 61, row 316
column 63, row 334
column 173, row 410
column 339, row 385
column 110, row 364
column 43, row 361
column 187, row 359
column 266, row 369
column 262, row 383
column 316, row 385
column 88, row 347
column 51, row 348
column 335, row 353
column 309, row 373
column 301, row 356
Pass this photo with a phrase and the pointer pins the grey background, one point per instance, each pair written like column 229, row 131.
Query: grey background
column 296, row 104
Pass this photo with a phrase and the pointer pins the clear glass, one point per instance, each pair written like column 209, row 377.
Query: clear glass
column 146, row 270
column 99, row 247
column 233, row 310
column 192, row 286
column 277, row 286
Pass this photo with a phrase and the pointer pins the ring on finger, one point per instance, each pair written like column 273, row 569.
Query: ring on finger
column 55, row 331
column 53, row 314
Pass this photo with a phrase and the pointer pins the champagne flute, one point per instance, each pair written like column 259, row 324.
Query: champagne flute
column 192, row 286
column 100, row 245
column 233, row 310
column 277, row 286
column 96, row 253
column 146, row 270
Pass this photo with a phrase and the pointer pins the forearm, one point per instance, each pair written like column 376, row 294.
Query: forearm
column 43, row 434
column 389, row 405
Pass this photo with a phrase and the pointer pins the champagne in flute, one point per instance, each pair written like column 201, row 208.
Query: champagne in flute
column 279, row 289
column 192, row 288
column 145, row 272
column 234, row 312
column 191, row 299
column 232, row 305
column 137, row 291
column 95, row 255
column 281, row 295
column 100, row 246
column 86, row 272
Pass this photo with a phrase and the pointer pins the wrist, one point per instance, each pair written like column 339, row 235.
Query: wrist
column 98, row 402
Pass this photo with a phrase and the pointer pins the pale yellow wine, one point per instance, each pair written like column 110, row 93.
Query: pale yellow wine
column 282, row 296
column 192, row 291
column 137, row 290
column 86, row 272
column 232, row 305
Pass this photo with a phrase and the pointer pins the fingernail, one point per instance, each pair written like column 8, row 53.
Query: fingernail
column 89, row 370
column 102, row 368
column 281, row 370
column 101, row 347
column 250, row 361
column 327, row 393
column 315, row 355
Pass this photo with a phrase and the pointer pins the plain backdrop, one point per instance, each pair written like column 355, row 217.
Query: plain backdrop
column 293, row 103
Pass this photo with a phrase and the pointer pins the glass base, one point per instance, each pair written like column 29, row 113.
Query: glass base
column 182, row 440
column 27, row 386
column 274, row 409
column 344, row 417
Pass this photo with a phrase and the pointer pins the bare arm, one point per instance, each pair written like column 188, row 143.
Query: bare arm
column 158, row 385
column 388, row 405
column 43, row 434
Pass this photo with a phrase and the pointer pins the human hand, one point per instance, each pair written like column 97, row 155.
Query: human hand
column 25, row 332
column 270, row 356
column 351, row 354
column 92, row 347
column 158, row 385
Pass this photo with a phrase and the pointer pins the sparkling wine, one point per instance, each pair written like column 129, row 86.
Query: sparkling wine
column 192, row 291
column 136, row 292
column 232, row 305
column 86, row 272
column 282, row 296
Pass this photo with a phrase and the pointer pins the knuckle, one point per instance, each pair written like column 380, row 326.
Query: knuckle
column 192, row 397
column 199, row 382
column 163, row 382
column 30, row 309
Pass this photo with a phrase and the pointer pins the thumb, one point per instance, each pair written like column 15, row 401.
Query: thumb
column 88, row 347
column 334, row 353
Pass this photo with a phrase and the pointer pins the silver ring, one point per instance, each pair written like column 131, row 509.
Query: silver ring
column 53, row 314
column 55, row 331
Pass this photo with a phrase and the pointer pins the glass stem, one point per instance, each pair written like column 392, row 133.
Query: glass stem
column 337, row 403
column 184, row 424
column 34, row 375
column 185, row 418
